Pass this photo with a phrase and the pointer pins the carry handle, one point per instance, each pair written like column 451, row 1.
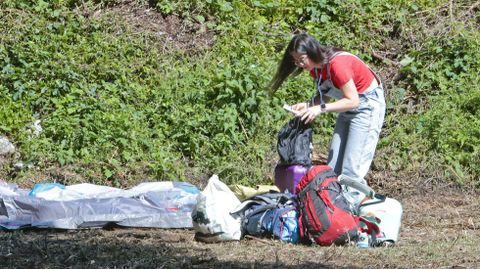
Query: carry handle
column 349, row 182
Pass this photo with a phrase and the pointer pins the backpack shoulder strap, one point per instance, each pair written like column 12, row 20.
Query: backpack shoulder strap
column 258, row 209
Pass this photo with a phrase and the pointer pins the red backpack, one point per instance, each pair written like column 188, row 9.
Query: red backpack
column 325, row 216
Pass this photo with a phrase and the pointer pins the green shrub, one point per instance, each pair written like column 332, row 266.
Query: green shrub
column 115, row 104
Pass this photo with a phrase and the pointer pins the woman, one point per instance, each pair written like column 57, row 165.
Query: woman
column 359, row 99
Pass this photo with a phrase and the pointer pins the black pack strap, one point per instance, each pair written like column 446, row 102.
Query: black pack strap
column 318, row 82
column 328, row 189
column 379, row 198
column 260, row 209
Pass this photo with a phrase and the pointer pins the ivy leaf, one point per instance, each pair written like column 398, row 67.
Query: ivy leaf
column 406, row 60
column 200, row 18
column 107, row 172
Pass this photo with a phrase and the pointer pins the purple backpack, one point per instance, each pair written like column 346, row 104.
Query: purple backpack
column 288, row 176
column 294, row 148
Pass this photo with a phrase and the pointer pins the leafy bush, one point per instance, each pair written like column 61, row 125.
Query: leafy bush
column 119, row 107
column 447, row 103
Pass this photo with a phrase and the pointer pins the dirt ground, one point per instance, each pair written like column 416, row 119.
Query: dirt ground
column 440, row 229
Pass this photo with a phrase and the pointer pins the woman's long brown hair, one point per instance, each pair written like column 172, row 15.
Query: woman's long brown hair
column 302, row 44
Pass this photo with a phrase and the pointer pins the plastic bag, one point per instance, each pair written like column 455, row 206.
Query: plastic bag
column 41, row 187
column 211, row 216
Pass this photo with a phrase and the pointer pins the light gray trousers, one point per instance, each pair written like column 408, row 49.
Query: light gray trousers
column 356, row 136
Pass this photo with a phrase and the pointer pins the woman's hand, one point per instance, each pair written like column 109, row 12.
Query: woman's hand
column 300, row 108
column 311, row 113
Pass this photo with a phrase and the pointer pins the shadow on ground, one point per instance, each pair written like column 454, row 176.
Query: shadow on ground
column 138, row 248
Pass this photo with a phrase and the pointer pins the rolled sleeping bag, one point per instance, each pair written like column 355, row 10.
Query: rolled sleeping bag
column 388, row 210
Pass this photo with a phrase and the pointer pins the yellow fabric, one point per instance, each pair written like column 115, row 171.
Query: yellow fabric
column 243, row 192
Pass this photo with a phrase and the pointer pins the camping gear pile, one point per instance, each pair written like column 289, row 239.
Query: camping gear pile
column 318, row 213
column 311, row 205
column 307, row 205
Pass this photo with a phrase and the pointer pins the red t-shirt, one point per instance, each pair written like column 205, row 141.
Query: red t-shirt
column 346, row 67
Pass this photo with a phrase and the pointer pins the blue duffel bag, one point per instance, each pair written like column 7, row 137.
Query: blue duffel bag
column 272, row 215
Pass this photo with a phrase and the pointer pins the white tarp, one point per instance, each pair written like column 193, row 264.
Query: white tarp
column 154, row 204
